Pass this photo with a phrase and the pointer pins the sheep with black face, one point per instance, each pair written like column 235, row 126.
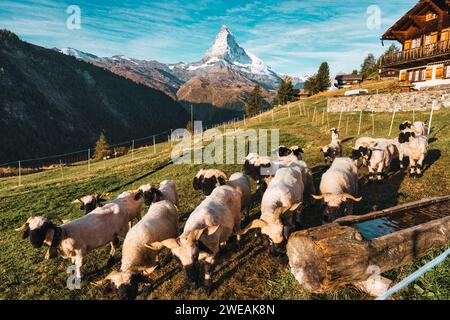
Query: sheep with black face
column 90, row 202
column 74, row 239
column 160, row 223
column 208, row 180
column 338, row 188
column 334, row 148
column 280, row 201
column 416, row 148
column 209, row 225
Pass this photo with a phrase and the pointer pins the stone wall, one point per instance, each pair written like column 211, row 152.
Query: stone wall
column 407, row 101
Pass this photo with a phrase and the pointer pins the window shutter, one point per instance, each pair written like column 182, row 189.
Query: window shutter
column 444, row 35
column 403, row 75
column 407, row 45
column 434, row 37
column 429, row 73
column 440, row 72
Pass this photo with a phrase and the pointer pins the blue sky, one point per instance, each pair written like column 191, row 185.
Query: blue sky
column 293, row 37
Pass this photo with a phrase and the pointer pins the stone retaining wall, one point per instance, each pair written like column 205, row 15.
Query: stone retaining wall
column 407, row 101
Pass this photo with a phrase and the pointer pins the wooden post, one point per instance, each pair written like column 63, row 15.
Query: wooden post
column 89, row 159
column 323, row 117
column 132, row 149
column 299, row 108
column 346, row 126
column 340, row 119
column 373, row 123
column 360, row 119
column 154, row 145
column 328, row 120
column 20, row 174
column 61, row 166
column 392, row 120
column 314, row 114
column 431, row 116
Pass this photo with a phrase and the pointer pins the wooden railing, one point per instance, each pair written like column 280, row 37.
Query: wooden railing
column 428, row 51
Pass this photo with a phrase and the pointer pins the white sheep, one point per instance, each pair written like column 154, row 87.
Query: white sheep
column 338, row 187
column 208, row 180
column 160, row 223
column 74, row 239
column 416, row 148
column 280, row 201
column 209, row 225
column 334, row 148
column 379, row 158
column 90, row 202
column 261, row 169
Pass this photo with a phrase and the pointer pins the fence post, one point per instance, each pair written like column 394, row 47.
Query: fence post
column 340, row 119
column 392, row 121
column 245, row 123
column 89, row 159
column 61, row 166
column 289, row 111
column 132, row 150
column 323, row 117
column 360, row 119
column 299, row 108
column 314, row 114
column 373, row 123
column 154, row 145
column 346, row 126
column 431, row 116
column 20, row 174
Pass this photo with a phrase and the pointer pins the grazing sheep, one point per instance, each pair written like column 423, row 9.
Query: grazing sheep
column 76, row 238
column 280, row 201
column 208, row 226
column 416, row 148
column 90, row 202
column 334, row 149
column 160, row 223
column 379, row 158
column 339, row 187
column 169, row 191
column 287, row 155
column 261, row 169
column 418, row 127
column 208, row 180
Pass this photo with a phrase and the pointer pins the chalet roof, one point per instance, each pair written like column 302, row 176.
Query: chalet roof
column 350, row 77
column 412, row 20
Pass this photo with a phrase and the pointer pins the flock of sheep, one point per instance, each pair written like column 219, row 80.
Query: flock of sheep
column 286, row 184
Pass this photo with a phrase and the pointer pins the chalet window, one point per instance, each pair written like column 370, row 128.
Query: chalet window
column 447, row 71
column 430, row 16
column 444, row 35
column 416, row 43
column 410, row 75
column 427, row 39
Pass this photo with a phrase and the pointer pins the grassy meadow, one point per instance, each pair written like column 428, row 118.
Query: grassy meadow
column 245, row 273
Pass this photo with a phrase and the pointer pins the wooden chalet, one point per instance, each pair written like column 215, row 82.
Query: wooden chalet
column 348, row 80
column 424, row 32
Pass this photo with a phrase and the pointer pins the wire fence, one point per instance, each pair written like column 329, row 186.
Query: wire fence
column 315, row 112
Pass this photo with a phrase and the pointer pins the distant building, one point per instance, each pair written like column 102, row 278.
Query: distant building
column 348, row 80
column 302, row 93
column 389, row 73
column 424, row 34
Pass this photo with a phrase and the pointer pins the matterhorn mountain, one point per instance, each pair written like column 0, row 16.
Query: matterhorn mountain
column 226, row 53
column 223, row 78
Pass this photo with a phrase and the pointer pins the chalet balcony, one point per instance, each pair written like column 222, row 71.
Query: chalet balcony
column 425, row 54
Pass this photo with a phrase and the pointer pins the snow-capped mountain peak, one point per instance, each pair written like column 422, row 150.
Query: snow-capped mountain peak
column 225, row 47
column 79, row 54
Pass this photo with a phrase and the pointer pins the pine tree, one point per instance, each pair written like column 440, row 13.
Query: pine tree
column 101, row 148
column 254, row 103
column 323, row 81
column 311, row 84
column 285, row 92
column 369, row 65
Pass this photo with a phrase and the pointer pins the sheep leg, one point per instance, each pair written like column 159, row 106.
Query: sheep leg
column 371, row 174
column 400, row 159
column 412, row 166
column 208, row 269
column 380, row 173
column 114, row 245
column 78, row 264
column 419, row 166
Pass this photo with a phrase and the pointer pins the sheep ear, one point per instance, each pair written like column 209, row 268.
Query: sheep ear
column 222, row 181
column 168, row 243
column 295, row 206
column 255, row 224
column 76, row 201
column 197, row 234
column 213, row 229
column 138, row 195
column 278, row 212
column 320, row 197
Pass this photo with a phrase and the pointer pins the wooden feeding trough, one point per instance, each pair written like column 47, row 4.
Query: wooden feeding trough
column 351, row 249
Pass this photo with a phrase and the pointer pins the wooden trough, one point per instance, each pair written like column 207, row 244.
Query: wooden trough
column 351, row 249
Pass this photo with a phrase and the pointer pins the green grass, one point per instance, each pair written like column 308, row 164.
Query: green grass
column 245, row 273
